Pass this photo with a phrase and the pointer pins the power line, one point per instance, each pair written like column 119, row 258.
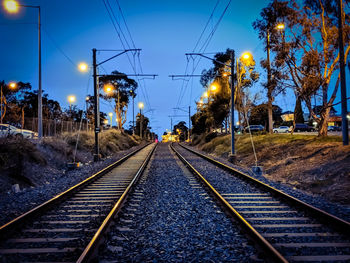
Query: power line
column 204, row 46
column 114, row 21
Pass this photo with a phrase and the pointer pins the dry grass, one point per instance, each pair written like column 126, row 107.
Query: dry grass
column 317, row 165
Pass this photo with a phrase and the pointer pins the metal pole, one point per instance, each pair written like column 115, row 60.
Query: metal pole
column 233, row 153
column 141, row 123
column 96, row 106
column 344, row 110
column 40, row 105
column 189, row 122
column 133, row 115
column 1, row 104
column 87, row 119
column 269, row 92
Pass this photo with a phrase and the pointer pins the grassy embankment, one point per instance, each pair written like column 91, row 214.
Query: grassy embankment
column 21, row 159
column 317, row 165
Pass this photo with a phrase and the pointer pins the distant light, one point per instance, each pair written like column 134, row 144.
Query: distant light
column 110, row 114
column 72, row 98
column 213, row 88
column 280, row 26
column 105, row 121
column 13, row 85
column 237, row 123
column 141, row 105
column 83, row 67
column 11, row 6
column 225, row 74
column 87, row 98
column 205, row 95
column 108, row 88
column 246, row 55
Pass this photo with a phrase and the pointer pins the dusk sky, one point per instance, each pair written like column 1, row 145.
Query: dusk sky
column 164, row 30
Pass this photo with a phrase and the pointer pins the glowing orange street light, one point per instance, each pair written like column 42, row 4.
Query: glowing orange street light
column 83, row 67
column 13, row 85
column 246, row 55
column 108, row 88
column 280, row 26
column 213, row 88
column 11, row 6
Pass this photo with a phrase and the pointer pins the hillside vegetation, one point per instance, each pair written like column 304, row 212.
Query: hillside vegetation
column 317, row 165
column 31, row 163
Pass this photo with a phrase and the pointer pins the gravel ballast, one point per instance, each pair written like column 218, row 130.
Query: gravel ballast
column 338, row 210
column 170, row 218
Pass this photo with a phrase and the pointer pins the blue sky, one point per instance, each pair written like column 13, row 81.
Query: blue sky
column 164, row 30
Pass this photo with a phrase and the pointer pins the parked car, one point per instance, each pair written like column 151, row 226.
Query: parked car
column 281, row 129
column 9, row 130
column 333, row 128
column 301, row 127
column 254, row 128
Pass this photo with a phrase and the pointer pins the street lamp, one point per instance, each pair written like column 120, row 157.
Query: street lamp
column 83, row 67
column 110, row 116
column 141, row 106
column 108, row 88
column 12, row 85
column 12, row 6
column 71, row 100
column 87, row 98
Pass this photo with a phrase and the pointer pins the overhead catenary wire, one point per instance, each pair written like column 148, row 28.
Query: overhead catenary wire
column 119, row 33
column 206, row 43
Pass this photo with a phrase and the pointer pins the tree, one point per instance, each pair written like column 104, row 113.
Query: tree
column 123, row 88
column 266, row 26
column 181, row 130
column 298, row 112
column 259, row 115
column 310, row 51
column 199, row 122
column 145, row 122
column 217, row 107
column 12, row 102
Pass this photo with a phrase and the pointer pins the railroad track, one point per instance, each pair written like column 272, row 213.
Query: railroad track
column 287, row 229
column 70, row 227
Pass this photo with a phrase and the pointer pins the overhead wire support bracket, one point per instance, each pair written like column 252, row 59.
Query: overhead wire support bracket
column 124, row 51
column 212, row 59
column 129, row 75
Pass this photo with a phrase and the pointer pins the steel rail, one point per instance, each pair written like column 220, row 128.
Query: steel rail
column 336, row 222
column 13, row 224
column 261, row 241
column 89, row 252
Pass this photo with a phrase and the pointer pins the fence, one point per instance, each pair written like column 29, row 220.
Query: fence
column 56, row 127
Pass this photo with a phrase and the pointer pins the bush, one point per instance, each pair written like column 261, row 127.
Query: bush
column 210, row 136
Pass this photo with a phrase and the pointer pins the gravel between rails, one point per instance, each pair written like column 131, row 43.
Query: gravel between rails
column 338, row 210
column 170, row 218
column 13, row 204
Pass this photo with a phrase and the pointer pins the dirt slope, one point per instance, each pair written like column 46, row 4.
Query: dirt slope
column 318, row 165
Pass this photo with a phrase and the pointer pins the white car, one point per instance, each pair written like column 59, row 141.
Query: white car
column 281, row 129
column 9, row 130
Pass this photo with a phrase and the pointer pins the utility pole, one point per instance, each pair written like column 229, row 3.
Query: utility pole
column 141, row 120
column 269, row 91
column 232, row 156
column 97, row 106
column 1, row 104
column 344, row 110
column 189, row 123
column 232, row 82
column 96, row 91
